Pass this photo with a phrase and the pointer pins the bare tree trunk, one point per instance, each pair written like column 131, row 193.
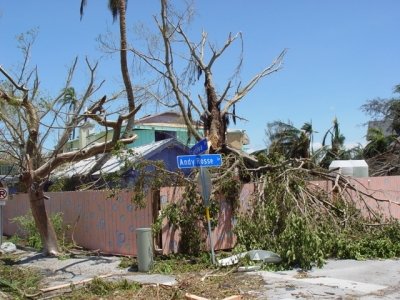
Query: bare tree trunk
column 127, row 83
column 215, row 123
column 124, row 66
column 42, row 221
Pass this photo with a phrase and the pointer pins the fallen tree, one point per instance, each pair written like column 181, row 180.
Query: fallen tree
column 306, row 222
column 304, row 213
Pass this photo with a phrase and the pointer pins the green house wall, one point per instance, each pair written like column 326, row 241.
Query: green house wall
column 146, row 135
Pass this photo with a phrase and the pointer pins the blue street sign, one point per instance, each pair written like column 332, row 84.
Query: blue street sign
column 200, row 147
column 193, row 161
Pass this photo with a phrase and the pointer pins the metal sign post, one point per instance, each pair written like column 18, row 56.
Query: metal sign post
column 197, row 159
column 1, row 225
column 205, row 190
column 3, row 199
column 210, row 235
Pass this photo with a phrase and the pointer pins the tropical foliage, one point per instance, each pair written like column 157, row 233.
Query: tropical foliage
column 383, row 150
column 288, row 140
column 336, row 150
column 378, row 142
column 305, row 224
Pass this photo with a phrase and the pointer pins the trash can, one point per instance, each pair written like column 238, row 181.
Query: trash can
column 144, row 245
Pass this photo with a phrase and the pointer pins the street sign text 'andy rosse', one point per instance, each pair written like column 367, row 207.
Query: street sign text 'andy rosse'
column 204, row 160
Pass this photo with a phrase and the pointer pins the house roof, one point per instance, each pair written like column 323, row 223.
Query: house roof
column 115, row 163
column 169, row 117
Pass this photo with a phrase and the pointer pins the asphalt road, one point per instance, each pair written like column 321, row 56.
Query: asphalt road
column 338, row 279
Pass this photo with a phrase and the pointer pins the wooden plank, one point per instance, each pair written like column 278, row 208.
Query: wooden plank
column 194, row 297
column 234, row 297
column 66, row 285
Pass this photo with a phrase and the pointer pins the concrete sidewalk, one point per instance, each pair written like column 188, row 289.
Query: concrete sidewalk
column 73, row 271
column 338, row 279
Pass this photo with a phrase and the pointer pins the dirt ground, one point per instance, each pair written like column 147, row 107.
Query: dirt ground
column 61, row 276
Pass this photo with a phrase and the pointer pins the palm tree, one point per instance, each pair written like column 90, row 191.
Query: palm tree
column 118, row 10
column 288, row 140
column 336, row 150
column 396, row 88
column 385, row 110
column 308, row 132
column 394, row 113
column 70, row 100
column 337, row 139
column 377, row 142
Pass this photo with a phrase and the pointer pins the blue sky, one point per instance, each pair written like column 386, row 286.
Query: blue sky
column 340, row 53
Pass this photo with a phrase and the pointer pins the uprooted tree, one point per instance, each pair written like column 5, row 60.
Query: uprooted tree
column 30, row 122
column 308, row 214
column 287, row 210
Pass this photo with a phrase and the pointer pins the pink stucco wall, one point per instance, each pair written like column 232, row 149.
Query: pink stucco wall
column 379, row 194
column 222, row 235
column 106, row 224
column 109, row 224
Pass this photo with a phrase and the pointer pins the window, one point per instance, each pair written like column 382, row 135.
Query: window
column 6, row 169
column 164, row 134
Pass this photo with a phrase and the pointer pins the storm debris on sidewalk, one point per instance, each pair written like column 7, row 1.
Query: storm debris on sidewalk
column 254, row 255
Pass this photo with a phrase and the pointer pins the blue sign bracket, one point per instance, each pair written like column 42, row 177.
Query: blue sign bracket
column 200, row 147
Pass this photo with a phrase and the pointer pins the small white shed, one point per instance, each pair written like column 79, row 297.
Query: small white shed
column 354, row 168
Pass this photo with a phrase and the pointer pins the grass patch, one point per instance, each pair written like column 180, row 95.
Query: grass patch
column 29, row 235
column 171, row 264
column 17, row 282
column 127, row 262
column 180, row 264
column 103, row 289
